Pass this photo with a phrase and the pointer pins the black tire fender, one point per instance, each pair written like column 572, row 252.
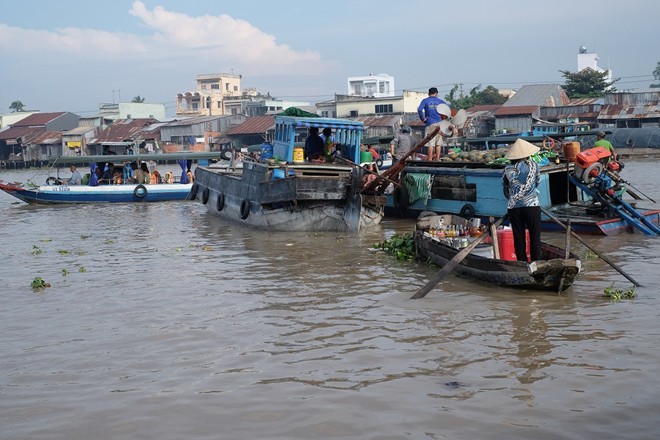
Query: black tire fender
column 467, row 211
column 53, row 181
column 205, row 196
column 379, row 162
column 401, row 197
column 220, row 202
column 140, row 191
column 193, row 191
column 245, row 209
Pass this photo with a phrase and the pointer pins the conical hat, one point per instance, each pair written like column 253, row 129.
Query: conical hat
column 521, row 149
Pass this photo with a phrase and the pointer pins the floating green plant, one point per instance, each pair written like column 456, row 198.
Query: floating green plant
column 36, row 250
column 64, row 252
column 39, row 283
column 65, row 272
column 616, row 294
column 401, row 246
column 82, row 269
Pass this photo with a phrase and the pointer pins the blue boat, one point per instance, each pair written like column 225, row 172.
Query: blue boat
column 53, row 192
column 475, row 190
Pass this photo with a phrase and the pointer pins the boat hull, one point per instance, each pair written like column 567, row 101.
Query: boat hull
column 77, row 194
column 555, row 273
column 310, row 199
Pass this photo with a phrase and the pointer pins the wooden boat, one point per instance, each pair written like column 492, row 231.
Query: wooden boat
column 475, row 189
column 285, row 193
column 554, row 272
column 53, row 192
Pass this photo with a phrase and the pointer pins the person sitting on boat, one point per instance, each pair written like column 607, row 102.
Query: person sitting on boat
column 520, row 182
column 127, row 172
column 76, row 178
column 169, row 177
column 155, row 177
column 108, row 174
column 328, row 143
column 141, row 173
column 117, row 178
column 602, row 142
column 313, row 145
column 401, row 144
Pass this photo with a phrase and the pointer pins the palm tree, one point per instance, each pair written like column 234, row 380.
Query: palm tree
column 17, row 106
column 138, row 99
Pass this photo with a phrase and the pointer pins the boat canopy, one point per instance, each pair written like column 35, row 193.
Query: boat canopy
column 347, row 133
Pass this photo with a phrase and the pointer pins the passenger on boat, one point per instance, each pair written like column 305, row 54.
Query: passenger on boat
column 76, row 178
column 108, row 174
column 520, row 182
column 191, row 176
column 127, row 172
column 117, row 178
column 155, row 177
column 328, row 143
column 169, row 177
column 602, row 142
column 402, row 144
column 433, row 110
column 141, row 173
column 313, row 145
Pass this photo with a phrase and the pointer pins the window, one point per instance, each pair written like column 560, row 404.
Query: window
column 353, row 113
column 384, row 108
column 235, row 88
column 215, row 86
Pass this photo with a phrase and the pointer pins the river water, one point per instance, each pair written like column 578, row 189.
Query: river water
column 164, row 322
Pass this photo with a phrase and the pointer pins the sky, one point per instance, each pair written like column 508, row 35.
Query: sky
column 72, row 55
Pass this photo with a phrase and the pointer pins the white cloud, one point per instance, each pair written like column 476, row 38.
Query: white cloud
column 215, row 41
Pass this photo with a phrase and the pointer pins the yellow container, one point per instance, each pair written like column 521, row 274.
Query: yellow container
column 298, row 155
column 571, row 150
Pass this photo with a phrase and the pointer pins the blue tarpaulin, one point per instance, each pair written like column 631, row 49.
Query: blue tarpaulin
column 184, row 171
column 93, row 178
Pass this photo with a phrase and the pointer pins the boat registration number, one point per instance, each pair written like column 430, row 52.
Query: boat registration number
column 62, row 188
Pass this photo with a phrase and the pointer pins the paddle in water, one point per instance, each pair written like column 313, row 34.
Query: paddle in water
column 447, row 268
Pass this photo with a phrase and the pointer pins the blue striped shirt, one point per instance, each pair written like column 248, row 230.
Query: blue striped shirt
column 520, row 182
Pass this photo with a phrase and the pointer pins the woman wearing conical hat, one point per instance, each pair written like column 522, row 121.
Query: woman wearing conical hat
column 520, row 183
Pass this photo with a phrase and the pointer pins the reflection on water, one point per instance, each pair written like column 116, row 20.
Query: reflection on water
column 164, row 322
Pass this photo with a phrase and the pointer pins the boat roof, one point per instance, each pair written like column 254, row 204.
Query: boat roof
column 298, row 121
column 182, row 155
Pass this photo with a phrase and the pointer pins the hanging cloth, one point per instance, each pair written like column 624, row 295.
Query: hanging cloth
column 93, row 178
column 184, row 171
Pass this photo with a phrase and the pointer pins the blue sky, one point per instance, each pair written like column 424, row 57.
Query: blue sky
column 72, row 55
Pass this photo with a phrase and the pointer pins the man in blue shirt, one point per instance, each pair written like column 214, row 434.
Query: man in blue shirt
column 76, row 178
column 432, row 110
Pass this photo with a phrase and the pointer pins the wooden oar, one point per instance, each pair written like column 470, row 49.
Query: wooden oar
column 378, row 176
column 574, row 235
column 447, row 268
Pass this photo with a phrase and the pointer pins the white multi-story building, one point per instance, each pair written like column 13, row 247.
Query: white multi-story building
column 590, row 60
column 375, row 86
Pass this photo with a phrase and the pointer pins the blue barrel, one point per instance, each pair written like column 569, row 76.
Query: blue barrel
column 266, row 151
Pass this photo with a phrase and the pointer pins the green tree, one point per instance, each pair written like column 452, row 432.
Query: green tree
column 587, row 83
column 138, row 99
column 489, row 95
column 17, row 106
column 656, row 75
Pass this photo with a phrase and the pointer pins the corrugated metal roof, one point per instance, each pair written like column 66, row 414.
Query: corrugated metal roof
column 483, row 108
column 517, row 110
column 38, row 119
column 538, row 94
column 125, row 130
column 253, row 125
column 585, row 101
column 192, row 121
column 649, row 110
column 11, row 134
column 379, row 121
column 47, row 137
column 79, row 131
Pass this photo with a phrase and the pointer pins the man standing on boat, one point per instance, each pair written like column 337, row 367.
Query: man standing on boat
column 401, row 144
column 520, row 182
column 432, row 110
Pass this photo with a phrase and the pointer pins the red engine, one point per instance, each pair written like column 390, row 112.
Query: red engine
column 592, row 155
